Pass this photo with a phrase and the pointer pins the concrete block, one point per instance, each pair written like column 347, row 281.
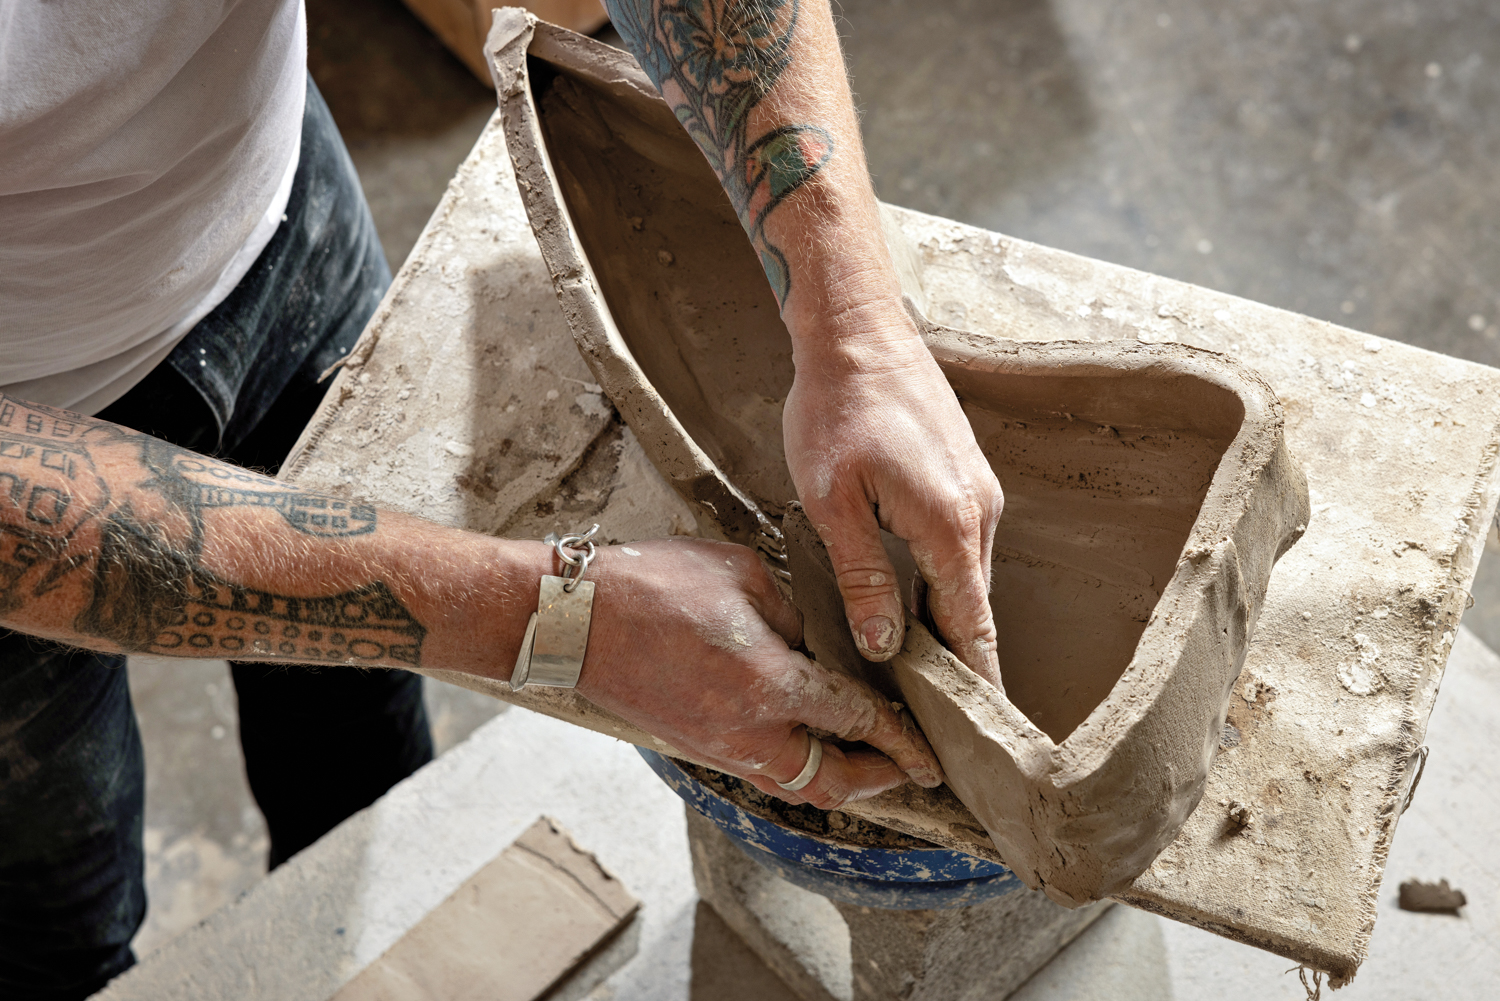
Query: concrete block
column 827, row 951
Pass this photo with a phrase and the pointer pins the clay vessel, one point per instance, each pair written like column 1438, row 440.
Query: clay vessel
column 1148, row 487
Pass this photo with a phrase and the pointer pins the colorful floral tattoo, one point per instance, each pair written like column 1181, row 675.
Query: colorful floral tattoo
column 714, row 61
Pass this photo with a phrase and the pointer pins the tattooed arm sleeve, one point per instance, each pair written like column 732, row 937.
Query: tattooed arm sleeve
column 875, row 437
column 760, row 86
column 114, row 540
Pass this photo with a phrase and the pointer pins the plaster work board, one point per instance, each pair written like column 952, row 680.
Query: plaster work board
column 467, row 403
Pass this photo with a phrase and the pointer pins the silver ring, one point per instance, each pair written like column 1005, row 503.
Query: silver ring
column 809, row 770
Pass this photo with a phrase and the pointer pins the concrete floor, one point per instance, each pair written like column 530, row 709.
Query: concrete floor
column 205, row 840
column 1333, row 159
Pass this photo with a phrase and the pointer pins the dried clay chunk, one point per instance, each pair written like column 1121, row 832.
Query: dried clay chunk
column 1431, row 898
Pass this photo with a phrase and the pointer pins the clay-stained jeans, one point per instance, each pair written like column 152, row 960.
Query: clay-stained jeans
column 319, row 744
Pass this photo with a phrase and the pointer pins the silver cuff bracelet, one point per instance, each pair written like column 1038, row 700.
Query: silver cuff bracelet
column 558, row 634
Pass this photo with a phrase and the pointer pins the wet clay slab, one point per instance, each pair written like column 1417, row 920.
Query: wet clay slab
column 511, row 932
column 467, row 402
column 1149, row 487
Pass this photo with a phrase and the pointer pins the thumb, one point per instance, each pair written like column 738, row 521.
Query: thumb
column 867, row 581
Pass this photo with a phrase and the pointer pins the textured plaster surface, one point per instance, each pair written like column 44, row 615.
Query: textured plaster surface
column 1447, row 833
column 473, row 411
column 1360, row 614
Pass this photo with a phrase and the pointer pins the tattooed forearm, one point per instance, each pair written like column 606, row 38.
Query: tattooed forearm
column 124, row 518
column 307, row 513
column 714, row 61
column 216, row 619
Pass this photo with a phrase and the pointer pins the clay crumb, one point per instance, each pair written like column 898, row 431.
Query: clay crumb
column 1431, row 898
column 1363, row 677
column 1240, row 814
column 665, row 257
column 732, row 635
column 637, row 223
column 1255, row 690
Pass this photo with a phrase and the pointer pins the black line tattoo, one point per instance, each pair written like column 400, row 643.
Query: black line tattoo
column 714, row 61
column 366, row 624
column 309, row 514
column 139, row 559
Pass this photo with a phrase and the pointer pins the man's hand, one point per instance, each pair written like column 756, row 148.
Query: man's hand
column 690, row 641
column 873, row 431
column 876, row 439
column 113, row 540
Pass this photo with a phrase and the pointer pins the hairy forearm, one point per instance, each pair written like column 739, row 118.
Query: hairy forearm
column 113, row 540
column 116, row 541
column 761, row 87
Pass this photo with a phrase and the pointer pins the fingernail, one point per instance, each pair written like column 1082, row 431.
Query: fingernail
column 870, row 792
column 984, row 659
column 927, row 778
column 877, row 637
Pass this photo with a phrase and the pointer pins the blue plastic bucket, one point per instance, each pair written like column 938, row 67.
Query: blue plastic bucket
column 892, row 871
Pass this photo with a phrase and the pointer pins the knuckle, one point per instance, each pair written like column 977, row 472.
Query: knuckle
column 741, row 748
column 835, row 493
column 971, row 516
column 738, row 558
column 863, row 582
column 866, row 719
column 832, row 796
column 994, row 500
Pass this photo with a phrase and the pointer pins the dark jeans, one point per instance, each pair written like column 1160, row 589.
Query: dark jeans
column 319, row 744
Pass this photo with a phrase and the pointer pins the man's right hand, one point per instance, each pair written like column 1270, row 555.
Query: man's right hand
column 691, row 641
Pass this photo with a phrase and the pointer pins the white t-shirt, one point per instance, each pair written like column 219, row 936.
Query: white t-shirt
column 147, row 149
